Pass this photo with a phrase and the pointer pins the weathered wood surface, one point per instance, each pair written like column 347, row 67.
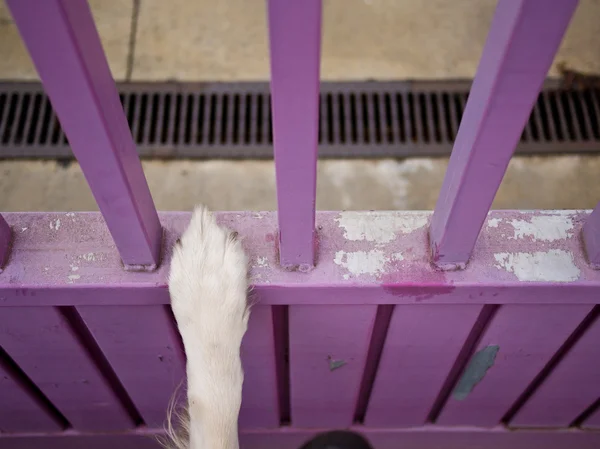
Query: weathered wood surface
column 364, row 258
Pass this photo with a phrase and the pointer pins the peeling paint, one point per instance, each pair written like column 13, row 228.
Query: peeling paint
column 362, row 262
column 74, row 267
column 547, row 228
column 562, row 212
column 475, row 371
column 70, row 214
column 397, row 257
column 55, row 225
column 258, row 215
column 24, row 229
column 335, row 364
column 379, row 227
column 90, row 257
column 262, row 262
column 555, row 265
column 73, row 277
column 494, row 222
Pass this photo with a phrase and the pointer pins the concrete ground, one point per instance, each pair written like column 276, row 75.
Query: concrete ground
column 362, row 39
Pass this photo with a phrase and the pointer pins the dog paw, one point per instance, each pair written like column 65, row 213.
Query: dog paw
column 208, row 283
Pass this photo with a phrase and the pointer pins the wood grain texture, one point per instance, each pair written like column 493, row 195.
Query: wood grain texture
column 19, row 411
column 422, row 345
column 527, row 336
column 524, row 37
column 295, row 48
column 516, row 262
column 328, row 350
column 569, row 390
column 45, row 347
column 64, row 45
column 141, row 345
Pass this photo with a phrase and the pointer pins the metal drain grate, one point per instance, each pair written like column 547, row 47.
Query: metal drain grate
column 233, row 120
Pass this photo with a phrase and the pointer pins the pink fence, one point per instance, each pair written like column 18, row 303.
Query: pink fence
column 463, row 328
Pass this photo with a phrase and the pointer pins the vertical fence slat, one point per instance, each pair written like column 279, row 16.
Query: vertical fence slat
column 5, row 239
column 414, row 365
column 64, row 44
column 295, row 39
column 43, row 344
column 591, row 237
column 259, row 395
column 525, row 337
column 141, row 345
column 328, row 350
column 572, row 386
column 19, row 411
column 523, row 38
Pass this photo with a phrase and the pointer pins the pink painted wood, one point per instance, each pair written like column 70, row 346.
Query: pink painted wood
column 328, row 351
column 593, row 421
column 142, row 348
column 415, row 363
column 64, row 44
column 42, row 257
column 569, row 390
column 259, row 395
column 591, row 237
column 19, row 412
column 43, row 344
column 524, row 36
column 424, row 437
column 5, row 238
column 295, row 39
column 526, row 337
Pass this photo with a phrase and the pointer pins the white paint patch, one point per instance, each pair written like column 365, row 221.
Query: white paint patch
column 73, row 277
column 346, row 276
column 379, row 227
column 55, row 225
column 70, row 214
column 46, row 268
column 258, row 215
column 261, row 262
column 90, row 257
column 547, row 228
column 397, row 257
column 24, row 229
column 555, row 265
column 362, row 262
column 493, row 222
column 74, row 268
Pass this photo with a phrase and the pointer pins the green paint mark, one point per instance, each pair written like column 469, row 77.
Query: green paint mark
column 335, row 364
column 475, row 371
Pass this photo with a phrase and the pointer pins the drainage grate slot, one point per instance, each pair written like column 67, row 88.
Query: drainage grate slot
column 233, row 120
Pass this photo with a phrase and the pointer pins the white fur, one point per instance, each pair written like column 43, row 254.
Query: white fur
column 208, row 286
